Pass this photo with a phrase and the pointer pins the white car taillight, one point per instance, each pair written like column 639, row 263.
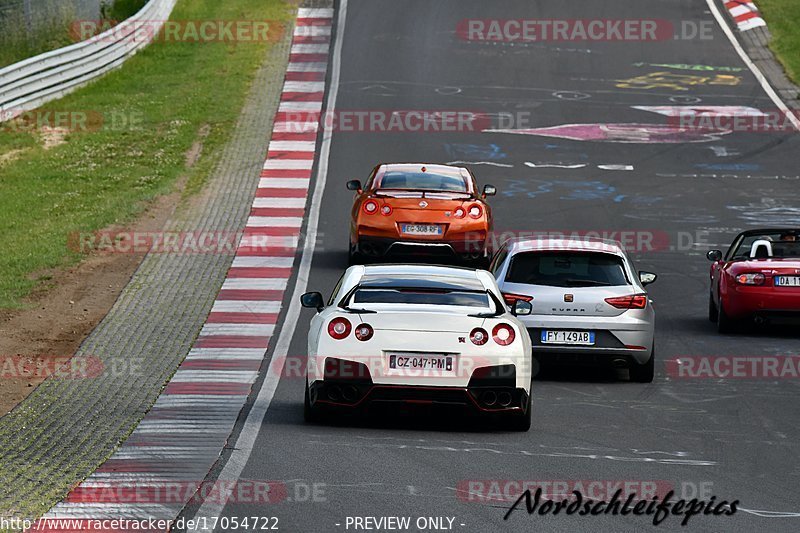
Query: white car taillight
column 478, row 336
column 339, row 328
column 503, row 334
column 364, row 332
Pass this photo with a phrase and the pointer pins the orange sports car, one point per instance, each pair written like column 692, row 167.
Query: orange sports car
column 416, row 208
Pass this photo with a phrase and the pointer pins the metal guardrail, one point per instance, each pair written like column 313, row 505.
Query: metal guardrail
column 30, row 83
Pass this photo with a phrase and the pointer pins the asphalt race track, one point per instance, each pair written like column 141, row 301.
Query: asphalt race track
column 736, row 439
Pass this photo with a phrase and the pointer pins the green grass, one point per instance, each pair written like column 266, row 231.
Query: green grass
column 108, row 176
column 783, row 18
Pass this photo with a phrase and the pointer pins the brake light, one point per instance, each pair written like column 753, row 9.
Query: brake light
column 751, row 278
column 510, row 298
column 364, row 332
column 475, row 211
column 370, row 207
column 339, row 328
column 478, row 336
column 386, row 210
column 634, row 301
column 459, row 213
column 503, row 334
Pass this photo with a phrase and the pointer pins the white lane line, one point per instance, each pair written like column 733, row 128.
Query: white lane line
column 315, row 13
column 309, row 49
column 280, row 202
column 303, row 86
column 309, row 107
column 284, row 183
column 752, row 66
column 245, row 306
column 257, row 284
column 288, row 164
column 306, row 66
column 252, row 330
column 292, row 146
column 267, row 261
column 253, row 423
column 277, row 222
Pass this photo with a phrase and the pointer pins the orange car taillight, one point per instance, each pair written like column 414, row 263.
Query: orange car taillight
column 478, row 336
column 364, row 332
column 475, row 211
column 503, row 334
column 386, row 210
column 459, row 213
column 370, row 207
column 510, row 298
column 634, row 301
column 339, row 328
column 751, row 278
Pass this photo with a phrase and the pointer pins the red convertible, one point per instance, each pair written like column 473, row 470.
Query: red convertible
column 757, row 279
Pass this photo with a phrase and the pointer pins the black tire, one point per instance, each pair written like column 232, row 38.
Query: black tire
column 712, row 309
column 522, row 422
column 724, row 323
column 310, row 413
column 644, row 373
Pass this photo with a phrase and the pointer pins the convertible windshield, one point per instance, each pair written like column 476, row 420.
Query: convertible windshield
column 424, row 181
column 559, row 269
column 781, row 245
column 420, row 295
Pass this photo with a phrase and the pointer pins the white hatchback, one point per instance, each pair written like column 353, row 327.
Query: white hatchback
column 590, row 306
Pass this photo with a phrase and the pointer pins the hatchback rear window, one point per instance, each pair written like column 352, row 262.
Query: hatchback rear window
column 421, row 296
column 559, row 269
column 425, row 181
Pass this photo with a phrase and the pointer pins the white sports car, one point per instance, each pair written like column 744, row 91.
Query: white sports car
column 418, row 334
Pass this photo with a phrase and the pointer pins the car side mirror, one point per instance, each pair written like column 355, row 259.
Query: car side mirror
column 489, row 190
column 714, row 255
column 521, row 308
column 312, row 300
column 354, row 185
column 647, row 277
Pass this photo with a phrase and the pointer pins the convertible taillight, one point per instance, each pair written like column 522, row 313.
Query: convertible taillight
column 339, row 328
column 478, row 336
column 634, row 301
column 475, row 211
column 503, row 334
column 370, row 207
column 751, row 278
column 510, row 297
column 364, row 332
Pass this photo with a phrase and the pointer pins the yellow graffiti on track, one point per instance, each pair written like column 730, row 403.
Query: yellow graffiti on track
column 677, row 82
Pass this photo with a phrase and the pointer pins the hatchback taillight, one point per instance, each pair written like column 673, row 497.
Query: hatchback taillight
column 510, row 297
column 339, row 328
column 634, row 301
column 503, row 334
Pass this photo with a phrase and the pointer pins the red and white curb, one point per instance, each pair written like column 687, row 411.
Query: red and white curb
column 181, row 437
column 745, row 14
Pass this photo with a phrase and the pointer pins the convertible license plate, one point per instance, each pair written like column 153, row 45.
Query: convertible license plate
column 422, row 362
column 421, row 229
column 584, row 338
column 787, row 281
